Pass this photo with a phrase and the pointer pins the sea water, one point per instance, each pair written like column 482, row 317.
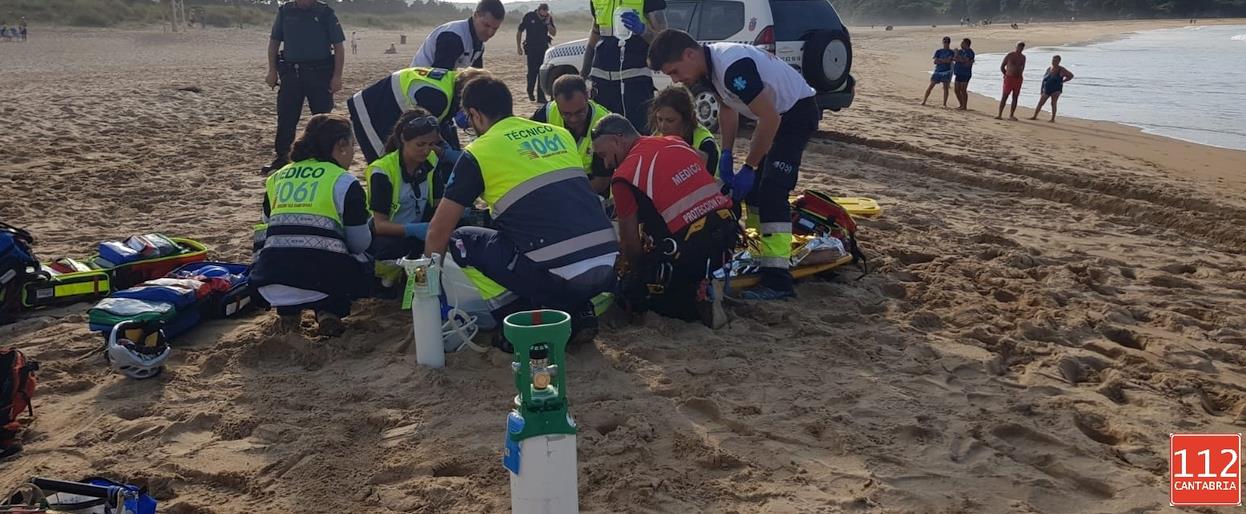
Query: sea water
column 1187, row 83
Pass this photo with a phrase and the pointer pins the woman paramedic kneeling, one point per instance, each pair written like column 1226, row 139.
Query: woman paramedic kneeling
column 310, row 249
column 671, row 114
column 404, row 184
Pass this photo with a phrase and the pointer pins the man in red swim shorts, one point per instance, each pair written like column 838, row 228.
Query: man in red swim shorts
column 1013, row 69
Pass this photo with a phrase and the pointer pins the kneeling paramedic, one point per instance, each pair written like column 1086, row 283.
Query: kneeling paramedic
column 661, row 186
column 310, row 247
column 553, row 246
column 787, row 115
column 376, row 108
column 403, row 186
column 572, row 110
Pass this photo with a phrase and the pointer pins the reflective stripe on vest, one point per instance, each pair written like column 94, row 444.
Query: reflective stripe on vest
column 572, row 245
column 702, row 194
column 390, row 165
column 306, row 242
column 619, row 76
column 603, row 13
column 314, row 221
column 516, row 151
column 301, row 203
column 585, row 145
column 406, row 83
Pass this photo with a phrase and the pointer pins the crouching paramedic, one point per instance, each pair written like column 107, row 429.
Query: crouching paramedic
column 404, row 185
column 375, row 109
column 661, row 186
column 310, row 249
column 553, row 246
column 787, row 115
column 572, row 110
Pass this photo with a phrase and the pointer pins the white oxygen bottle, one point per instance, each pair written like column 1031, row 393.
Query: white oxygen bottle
column 424, row 286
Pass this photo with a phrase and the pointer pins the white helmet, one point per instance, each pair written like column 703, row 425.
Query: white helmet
column 137, row 360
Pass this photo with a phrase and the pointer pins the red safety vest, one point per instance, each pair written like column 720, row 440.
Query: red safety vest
column 674, row 177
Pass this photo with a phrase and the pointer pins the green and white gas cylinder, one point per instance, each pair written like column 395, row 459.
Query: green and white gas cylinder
column 422, row 293
column 540, row 438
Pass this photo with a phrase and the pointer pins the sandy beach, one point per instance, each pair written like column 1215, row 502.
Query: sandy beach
column 1049, row 303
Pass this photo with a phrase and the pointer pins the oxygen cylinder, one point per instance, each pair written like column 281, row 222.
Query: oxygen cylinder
column 424, row 291
column 540, row 434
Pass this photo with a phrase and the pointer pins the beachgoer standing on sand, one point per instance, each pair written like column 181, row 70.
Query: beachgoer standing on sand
column 1053, row 85
column 942, row 74
column 354, row 44
column 1013, row 69
column 962, row 68
column 540, row 28
column 461, row 43
column 553, row 245
column 662, row 184
column 305, row 57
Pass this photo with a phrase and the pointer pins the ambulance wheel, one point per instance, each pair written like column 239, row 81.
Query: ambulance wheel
column 705, row 106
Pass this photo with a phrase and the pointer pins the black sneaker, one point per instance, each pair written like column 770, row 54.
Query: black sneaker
column 583, row 326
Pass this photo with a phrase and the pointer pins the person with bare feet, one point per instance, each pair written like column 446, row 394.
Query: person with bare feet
column 943, row 70
column 962, row 68
column 1013, row 69
column 1053, row 84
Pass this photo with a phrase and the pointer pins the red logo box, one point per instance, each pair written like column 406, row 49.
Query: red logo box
column 1204, row 469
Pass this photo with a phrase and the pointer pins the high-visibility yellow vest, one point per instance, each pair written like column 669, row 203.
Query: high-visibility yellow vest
column 585, row 145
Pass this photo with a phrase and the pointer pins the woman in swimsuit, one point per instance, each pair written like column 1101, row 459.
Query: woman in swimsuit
column 1053, row 84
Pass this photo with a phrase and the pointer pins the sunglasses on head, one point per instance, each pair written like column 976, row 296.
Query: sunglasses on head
column 419, row 126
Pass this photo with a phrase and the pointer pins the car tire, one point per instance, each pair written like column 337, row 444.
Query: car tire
column 558, row 71
column 827, row 59
column 705, row 107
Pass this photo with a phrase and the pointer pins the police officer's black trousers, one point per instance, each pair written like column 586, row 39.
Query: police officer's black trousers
column 535, row 57
column 299, row 83
column 630, row 96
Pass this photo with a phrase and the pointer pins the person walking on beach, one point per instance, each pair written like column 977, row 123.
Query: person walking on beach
column 942, row 74
column 540, row 28
column 305, row 58
column 354, row 44
column 962, row 68
column 1053, row 84
column 1013, row 69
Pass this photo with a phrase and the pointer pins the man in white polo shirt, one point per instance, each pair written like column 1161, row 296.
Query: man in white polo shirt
column 787, row 115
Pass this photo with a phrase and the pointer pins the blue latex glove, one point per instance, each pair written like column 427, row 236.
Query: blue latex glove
column 631, row 20
column 726, row 167
column 416, row 230
column 460, row 120
column 742, row 183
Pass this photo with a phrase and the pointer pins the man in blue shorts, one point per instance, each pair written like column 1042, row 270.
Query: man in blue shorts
column 943, row 70
column 962, row 68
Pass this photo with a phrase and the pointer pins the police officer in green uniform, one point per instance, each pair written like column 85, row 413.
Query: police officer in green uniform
column 305, row 57
column 376, row 108
column 553, row 245
column 310, row 246
column 572, row 110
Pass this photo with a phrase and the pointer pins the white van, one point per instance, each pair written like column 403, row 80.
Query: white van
column 807, row 34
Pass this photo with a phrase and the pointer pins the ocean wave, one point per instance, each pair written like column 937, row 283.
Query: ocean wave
column 1239, row 37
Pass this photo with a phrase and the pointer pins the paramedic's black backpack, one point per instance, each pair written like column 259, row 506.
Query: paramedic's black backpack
column 17, row 266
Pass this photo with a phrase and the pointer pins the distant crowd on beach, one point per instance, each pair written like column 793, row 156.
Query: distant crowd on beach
column 958, row 63
column 16, row 33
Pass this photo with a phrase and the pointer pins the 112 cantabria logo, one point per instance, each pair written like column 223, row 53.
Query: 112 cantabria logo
column 1204, row 469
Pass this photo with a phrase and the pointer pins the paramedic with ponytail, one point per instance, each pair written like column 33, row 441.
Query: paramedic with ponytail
column 787, row 115
column 311, row 244
column 553, row 246
column 403, row 186
column 662, row 188
column 375, row 109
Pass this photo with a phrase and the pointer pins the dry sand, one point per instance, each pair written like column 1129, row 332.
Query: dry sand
column 1039, row 320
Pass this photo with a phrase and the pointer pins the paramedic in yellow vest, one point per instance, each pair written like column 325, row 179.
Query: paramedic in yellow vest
column 404, row 184
column 315, row 230
column 375, row 109
column 756, row 84
column 615, row 56
column 572, row 110
column 671, row 114
column 553, row 246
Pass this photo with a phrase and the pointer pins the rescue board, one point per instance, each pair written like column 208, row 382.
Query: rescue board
column 859, row 206
column 752, row 279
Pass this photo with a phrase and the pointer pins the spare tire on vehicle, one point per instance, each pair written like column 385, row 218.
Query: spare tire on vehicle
column 827, row 59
